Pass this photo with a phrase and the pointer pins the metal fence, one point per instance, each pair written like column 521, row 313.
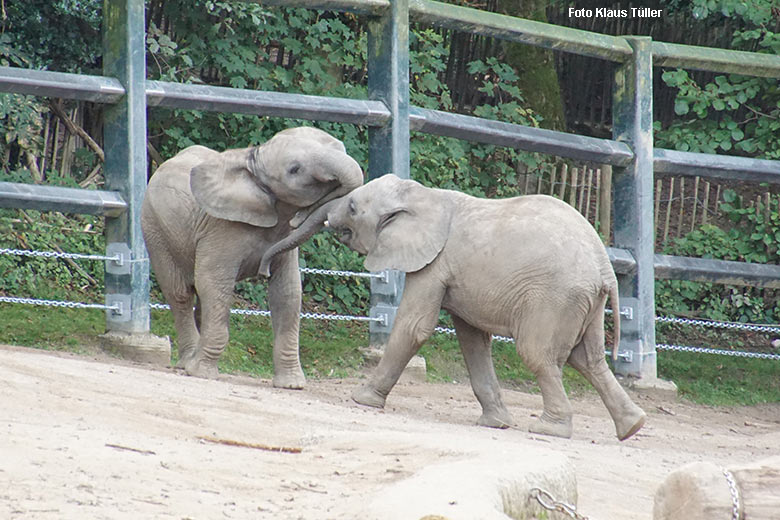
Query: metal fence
column 389, row 116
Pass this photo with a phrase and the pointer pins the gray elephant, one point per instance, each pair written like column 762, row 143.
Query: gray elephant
column 208, row 217
column 529, row 267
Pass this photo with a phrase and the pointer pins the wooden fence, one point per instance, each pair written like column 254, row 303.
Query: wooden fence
column 681, row 204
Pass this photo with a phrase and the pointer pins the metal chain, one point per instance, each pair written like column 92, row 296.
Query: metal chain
column 55, row 254
column 312, row 270
column 732, row 353
column 445, row 330
column 736, row 512
column 718, row 324
column 547, row 501
column 55, row 303
column 117, row 258
column 304, row 315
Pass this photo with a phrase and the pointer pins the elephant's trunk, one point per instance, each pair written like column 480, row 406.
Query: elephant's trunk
column 313, row 223
column 339, row 168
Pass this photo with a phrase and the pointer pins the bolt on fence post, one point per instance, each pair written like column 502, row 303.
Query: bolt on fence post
column 388, row 81
column 125, row 166
column 632, row 122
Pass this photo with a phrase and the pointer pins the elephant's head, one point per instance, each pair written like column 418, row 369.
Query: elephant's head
column 397, row 224
column 302, row 167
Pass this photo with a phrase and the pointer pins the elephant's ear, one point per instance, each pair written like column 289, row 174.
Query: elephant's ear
column 413, row 231
column 225, row 188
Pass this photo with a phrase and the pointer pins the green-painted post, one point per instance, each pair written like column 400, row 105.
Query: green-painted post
column 388, row 81
column 632, row 123
column 124, row 138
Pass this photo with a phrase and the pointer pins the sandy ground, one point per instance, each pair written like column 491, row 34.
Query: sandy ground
column 103, row 438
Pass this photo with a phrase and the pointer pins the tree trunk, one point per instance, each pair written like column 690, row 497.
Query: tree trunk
column 536, row 66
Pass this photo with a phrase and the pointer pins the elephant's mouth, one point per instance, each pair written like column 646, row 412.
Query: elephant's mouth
column 302, row 214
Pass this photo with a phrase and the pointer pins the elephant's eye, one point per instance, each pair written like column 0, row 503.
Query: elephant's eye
column 294, row 169
column 352, row 208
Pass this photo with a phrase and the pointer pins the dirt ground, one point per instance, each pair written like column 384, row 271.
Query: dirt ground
column 103, row 438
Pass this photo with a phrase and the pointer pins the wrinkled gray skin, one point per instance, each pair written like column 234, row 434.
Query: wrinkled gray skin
column 528, row 267
column 207, row 219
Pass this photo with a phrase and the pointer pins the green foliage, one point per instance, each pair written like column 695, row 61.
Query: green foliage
column 477, row 169
column 754, row 237
column 44, row 277
column 61, row 35
column 733, row 113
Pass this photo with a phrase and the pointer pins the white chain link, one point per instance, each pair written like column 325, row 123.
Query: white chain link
column 736, row 513
column 117, row 258
column 718, row 324
column 721, row 352
column 445, row 330
column 56, row 303
column 329, row 272
column 547, row 501
column 55, row 254
column 304, row 315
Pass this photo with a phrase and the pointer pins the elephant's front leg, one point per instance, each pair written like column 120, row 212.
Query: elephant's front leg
column 284, row 300
column 414, row 323
column 475, row 345
column 214, row 284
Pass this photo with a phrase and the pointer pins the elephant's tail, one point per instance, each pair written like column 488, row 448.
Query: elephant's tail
column 615, row 304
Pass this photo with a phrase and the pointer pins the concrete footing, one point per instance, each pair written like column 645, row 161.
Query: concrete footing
column 655, row 387
column 415, row 371
column 143, row 348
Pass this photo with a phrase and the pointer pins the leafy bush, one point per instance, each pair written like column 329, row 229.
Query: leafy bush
column 733, row 113
column 754, row 237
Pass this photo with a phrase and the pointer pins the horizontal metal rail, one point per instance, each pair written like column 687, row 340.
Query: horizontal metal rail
column 540, row 34
column 715, row 60
column 716, row 271
column 98, row 89
column 713, row 166
column 56, row 198
column 669, row 267
column 370, row 7
column 481, row 130
column 623, row 262
column 275, row 104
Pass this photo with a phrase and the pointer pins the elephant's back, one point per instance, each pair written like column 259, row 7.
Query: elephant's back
column 537, row 239
column 169, row 209
column 174, row 174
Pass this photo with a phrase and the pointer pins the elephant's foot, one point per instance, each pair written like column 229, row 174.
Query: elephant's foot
column 555, row 427
column 495, row 419
column 629, row 424
column 199, row 366
column 185, row 356
column 292, row 379
column 367, row 396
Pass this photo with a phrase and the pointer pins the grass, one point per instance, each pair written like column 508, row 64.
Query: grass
column 330, row 349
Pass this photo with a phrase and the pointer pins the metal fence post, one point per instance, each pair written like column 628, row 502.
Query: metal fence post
column 632, row 122
column 388, row 81
column 124, row 135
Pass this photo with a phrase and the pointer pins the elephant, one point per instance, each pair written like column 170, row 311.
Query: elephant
column 208, row 217
column 529, row 267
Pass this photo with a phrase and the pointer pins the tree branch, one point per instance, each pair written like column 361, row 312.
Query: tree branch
column 75, row 129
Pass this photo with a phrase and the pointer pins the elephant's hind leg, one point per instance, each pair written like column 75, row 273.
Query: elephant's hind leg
column 179, row 294
column 556, row 418
column 588, row 359
column 540, row 346
column 475, row 345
